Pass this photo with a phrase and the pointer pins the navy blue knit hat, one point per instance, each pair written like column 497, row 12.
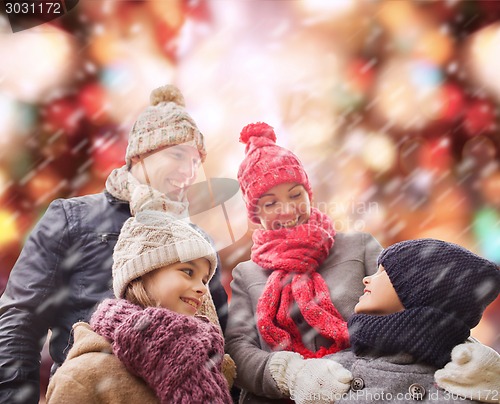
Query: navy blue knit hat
column 442, row 275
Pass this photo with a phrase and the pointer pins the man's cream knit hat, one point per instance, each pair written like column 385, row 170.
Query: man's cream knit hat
column 164, row 123
column 151, row 240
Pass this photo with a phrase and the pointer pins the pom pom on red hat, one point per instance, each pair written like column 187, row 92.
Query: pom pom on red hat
column 259, row 130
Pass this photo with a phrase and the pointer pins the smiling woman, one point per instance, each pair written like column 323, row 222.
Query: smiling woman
column 302, row 282
column 290, row 303
column 283, row 206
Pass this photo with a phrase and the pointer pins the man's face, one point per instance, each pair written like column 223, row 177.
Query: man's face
column 171, row 170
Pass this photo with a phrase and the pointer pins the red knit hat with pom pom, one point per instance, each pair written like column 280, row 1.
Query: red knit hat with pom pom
column 266, row 165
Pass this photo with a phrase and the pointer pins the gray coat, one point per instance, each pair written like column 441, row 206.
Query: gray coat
column 353, row 256
column 393, row 378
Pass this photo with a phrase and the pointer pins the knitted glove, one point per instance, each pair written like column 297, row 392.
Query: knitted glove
column 309, row 380
column 474, row 373
column 110, row 314
column 178, row 356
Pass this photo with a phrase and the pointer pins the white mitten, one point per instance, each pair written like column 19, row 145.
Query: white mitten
column 309, row 380
column 474, row 373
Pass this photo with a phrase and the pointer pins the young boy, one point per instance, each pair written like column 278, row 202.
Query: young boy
column 290, row 301
column 425, row 297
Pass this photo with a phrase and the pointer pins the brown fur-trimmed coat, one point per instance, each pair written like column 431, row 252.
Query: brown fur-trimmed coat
column 93, row 374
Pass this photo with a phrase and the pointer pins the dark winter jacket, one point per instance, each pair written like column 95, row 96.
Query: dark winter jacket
column 62, row 273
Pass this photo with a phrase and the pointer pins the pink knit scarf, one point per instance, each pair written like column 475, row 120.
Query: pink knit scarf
column 294, row 255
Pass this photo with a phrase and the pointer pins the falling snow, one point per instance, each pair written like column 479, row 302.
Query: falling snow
column 391, row 108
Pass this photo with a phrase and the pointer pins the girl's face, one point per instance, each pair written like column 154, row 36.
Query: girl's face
column 179, row 287
column 379, row 295
column 171, row 170
column 285, row 205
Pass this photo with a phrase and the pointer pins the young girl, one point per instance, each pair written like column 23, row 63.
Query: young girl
column 147, row 345
column 303, row 280
column 425, row 297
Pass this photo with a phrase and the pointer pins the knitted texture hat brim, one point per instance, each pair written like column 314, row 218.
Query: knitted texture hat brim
column 435, row 273
column 152, row 240
column 266, row 165
column 163, row 124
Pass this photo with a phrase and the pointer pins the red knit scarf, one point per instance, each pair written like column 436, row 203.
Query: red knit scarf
column 294, row 255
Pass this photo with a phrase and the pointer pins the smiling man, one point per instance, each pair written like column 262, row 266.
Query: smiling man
column 171, row 170
column 64, row 270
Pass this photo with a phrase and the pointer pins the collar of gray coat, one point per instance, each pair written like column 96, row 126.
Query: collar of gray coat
column 114, row 201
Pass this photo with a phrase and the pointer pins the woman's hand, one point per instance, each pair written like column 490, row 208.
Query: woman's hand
column 309, row 380
column 474, row 373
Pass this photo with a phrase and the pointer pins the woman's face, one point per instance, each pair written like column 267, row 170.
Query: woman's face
column 379, row 296
column 283, row 206
column 171, row 170
column 179, row 287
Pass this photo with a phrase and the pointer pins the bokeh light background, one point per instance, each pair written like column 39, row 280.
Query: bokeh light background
column 393, row 107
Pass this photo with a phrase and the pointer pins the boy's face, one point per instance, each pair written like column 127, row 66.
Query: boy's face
column 171, row 170
column 379, row 295
column 179, row 287
column 285, row 205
